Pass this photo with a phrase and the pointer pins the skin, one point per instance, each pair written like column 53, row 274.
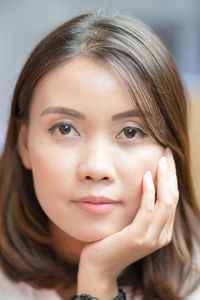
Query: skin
column 97, row 157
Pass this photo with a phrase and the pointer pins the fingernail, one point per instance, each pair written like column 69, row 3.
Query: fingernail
column 163, row 163
column 148, row 175
column 169, row 155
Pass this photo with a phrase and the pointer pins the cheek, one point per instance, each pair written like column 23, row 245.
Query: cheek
column 135, row 165
column 52, row 170
column 145, row 158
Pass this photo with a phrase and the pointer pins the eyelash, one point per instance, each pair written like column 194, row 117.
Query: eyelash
column 54, row 127
column 134, row 129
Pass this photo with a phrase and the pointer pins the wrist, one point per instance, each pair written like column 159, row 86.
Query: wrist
column 99, row 287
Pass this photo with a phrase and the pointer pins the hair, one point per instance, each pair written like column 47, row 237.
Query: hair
column 151, row 77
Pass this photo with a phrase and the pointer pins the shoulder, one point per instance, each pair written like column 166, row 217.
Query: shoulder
column 195, row 295
column 129, row 296
column 21, row 291
column 10, row 290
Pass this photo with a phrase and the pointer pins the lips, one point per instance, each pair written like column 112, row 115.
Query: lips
column 96, row 199
column 96, row 204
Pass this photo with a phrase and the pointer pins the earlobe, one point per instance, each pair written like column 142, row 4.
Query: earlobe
column 23, row 146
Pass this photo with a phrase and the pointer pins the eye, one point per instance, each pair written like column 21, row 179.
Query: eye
column 130, row 132
column 64, row 129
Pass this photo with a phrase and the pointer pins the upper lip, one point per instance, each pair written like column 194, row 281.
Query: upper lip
column 96, row 199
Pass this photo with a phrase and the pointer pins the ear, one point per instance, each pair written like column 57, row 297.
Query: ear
column 23, row 146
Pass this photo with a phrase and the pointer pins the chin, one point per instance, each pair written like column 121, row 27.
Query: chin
column 91, row 237
column 90, row 234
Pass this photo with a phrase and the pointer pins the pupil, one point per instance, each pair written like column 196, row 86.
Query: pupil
column 65, row 129
column 129, row 132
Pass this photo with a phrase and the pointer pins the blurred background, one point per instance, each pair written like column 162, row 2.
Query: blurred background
column 23, row 23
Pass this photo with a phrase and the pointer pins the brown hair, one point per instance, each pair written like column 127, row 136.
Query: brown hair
column 151, row 77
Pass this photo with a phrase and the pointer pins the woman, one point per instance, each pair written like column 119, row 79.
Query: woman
column 89, row 190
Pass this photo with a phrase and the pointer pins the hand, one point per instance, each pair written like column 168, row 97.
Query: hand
column 150, row 230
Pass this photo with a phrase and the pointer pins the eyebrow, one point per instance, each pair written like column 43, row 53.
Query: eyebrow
column 62, row 111
column 71, row 112
column 126, row 114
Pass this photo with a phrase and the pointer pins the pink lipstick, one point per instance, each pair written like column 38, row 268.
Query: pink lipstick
column 96, row 204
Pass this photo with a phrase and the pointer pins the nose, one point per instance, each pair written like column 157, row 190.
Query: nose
column 96, row 163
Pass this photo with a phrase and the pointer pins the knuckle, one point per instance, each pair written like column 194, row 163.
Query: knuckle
column 152, row 243
column 173, row 170
column 149, row 210
column 161, row 243
column 146, row 213
column 164, row 241
column 152, row 194
column 139, row 241
column 169, row 203
column 175, row 195
column 167, row 241
column 169, row 237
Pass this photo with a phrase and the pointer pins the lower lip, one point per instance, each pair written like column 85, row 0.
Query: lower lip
column 96, row 208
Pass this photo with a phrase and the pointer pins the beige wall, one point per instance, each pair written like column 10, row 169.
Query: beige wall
column 194, row 129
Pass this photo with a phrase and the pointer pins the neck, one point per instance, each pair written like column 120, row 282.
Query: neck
column 67, row 247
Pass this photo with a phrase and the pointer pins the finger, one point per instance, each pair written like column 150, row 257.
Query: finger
column 167, row 231
column 166, row 203
column 172, row 181
column 148, row 196
column 162, row 180
column 163, row 205
column 173, row 175
column 145, row 212
column 166, row 234
column 135, row 233
column 172, row 189
column 167, row 179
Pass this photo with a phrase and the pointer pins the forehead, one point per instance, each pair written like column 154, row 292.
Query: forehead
column 82, row 81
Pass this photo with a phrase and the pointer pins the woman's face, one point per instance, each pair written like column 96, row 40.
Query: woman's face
column 87, row 149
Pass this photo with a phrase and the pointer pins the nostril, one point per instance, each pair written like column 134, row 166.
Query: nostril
column 89, row 178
